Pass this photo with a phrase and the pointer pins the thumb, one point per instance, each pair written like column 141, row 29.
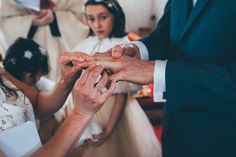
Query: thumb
column 117, row 51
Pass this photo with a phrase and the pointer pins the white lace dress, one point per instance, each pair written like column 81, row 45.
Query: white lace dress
column 14, row 110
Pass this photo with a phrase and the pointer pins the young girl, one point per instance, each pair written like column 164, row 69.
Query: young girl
column 19, row 103
column 122, row 133
column 27, row 61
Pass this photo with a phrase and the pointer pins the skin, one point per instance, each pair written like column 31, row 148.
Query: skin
column 124, row 64
column 88, row 100
column 43, row 17
column 100, row 20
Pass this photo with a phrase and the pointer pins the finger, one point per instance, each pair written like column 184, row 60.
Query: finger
column 103, row 81
column 97, row 136
column 117, row 52
column 69, row 57
column 83, row 78
column 89, row 142
column 84, row 55
column 119, row 76
column 84, row 64
column 93, row 76
column 110, row 90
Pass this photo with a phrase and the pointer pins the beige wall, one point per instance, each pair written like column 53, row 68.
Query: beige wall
column 138, row 12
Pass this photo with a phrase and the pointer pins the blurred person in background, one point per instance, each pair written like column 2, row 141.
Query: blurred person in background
column 57, row 26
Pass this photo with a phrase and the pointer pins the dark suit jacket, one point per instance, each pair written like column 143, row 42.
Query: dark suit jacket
column 200, row 113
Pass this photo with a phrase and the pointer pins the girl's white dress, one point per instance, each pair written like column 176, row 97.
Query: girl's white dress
column 134, row 135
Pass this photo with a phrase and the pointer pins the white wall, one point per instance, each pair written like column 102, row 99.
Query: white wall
column 138, row 12
column 159, row 6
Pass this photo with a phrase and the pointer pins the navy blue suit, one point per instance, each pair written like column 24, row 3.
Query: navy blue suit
column 200, row 113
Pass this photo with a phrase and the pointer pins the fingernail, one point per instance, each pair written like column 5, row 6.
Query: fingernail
column 80, row 59
column 98, row 63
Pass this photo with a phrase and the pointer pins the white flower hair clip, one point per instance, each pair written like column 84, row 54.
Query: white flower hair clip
column 28, row 54
column 109, row 5
column 42, row 51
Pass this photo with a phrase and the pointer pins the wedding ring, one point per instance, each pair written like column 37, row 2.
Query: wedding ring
column 126, row 46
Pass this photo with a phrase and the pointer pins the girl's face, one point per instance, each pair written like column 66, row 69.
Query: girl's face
column 100, row 20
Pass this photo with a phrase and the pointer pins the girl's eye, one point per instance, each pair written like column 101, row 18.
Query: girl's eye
column 90, row 19
column 103, row 17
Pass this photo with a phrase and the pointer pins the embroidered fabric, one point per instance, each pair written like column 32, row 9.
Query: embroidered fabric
column 14, row 110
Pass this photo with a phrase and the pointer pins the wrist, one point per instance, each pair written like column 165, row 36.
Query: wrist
column 81, row 115
column 151, row 71
column 135, row 47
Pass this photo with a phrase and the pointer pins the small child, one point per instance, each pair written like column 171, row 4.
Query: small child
column 27, row 61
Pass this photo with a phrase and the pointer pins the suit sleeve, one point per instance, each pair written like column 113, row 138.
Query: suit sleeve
column 158, row 41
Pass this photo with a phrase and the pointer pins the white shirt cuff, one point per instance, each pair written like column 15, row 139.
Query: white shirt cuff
column 142, row 49
column 159, row 80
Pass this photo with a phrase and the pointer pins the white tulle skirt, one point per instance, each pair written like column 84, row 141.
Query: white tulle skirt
column 133, row 137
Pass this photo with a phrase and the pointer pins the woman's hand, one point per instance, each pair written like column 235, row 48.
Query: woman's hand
column 88, row 97
column 71, row 64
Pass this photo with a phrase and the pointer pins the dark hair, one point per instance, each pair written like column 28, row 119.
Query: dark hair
column 25, row 56
column 115, row 9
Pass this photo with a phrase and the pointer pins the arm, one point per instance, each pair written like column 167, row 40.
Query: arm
column 115, row 116
column 48, row 102
column 88, row 100
column 157, row 43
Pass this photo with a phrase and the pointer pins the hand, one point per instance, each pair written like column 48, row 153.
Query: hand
column 124, row 49
column 88, row 98
column 44, row 17
column 98, row 140
column 128, row 69
column 72, row 63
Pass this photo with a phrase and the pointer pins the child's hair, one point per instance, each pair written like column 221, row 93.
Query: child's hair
column 115, row 9
column 25, row 56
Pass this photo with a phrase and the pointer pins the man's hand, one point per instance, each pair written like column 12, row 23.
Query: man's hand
column 126, row 50
column 128, row 69
column 121, row 50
